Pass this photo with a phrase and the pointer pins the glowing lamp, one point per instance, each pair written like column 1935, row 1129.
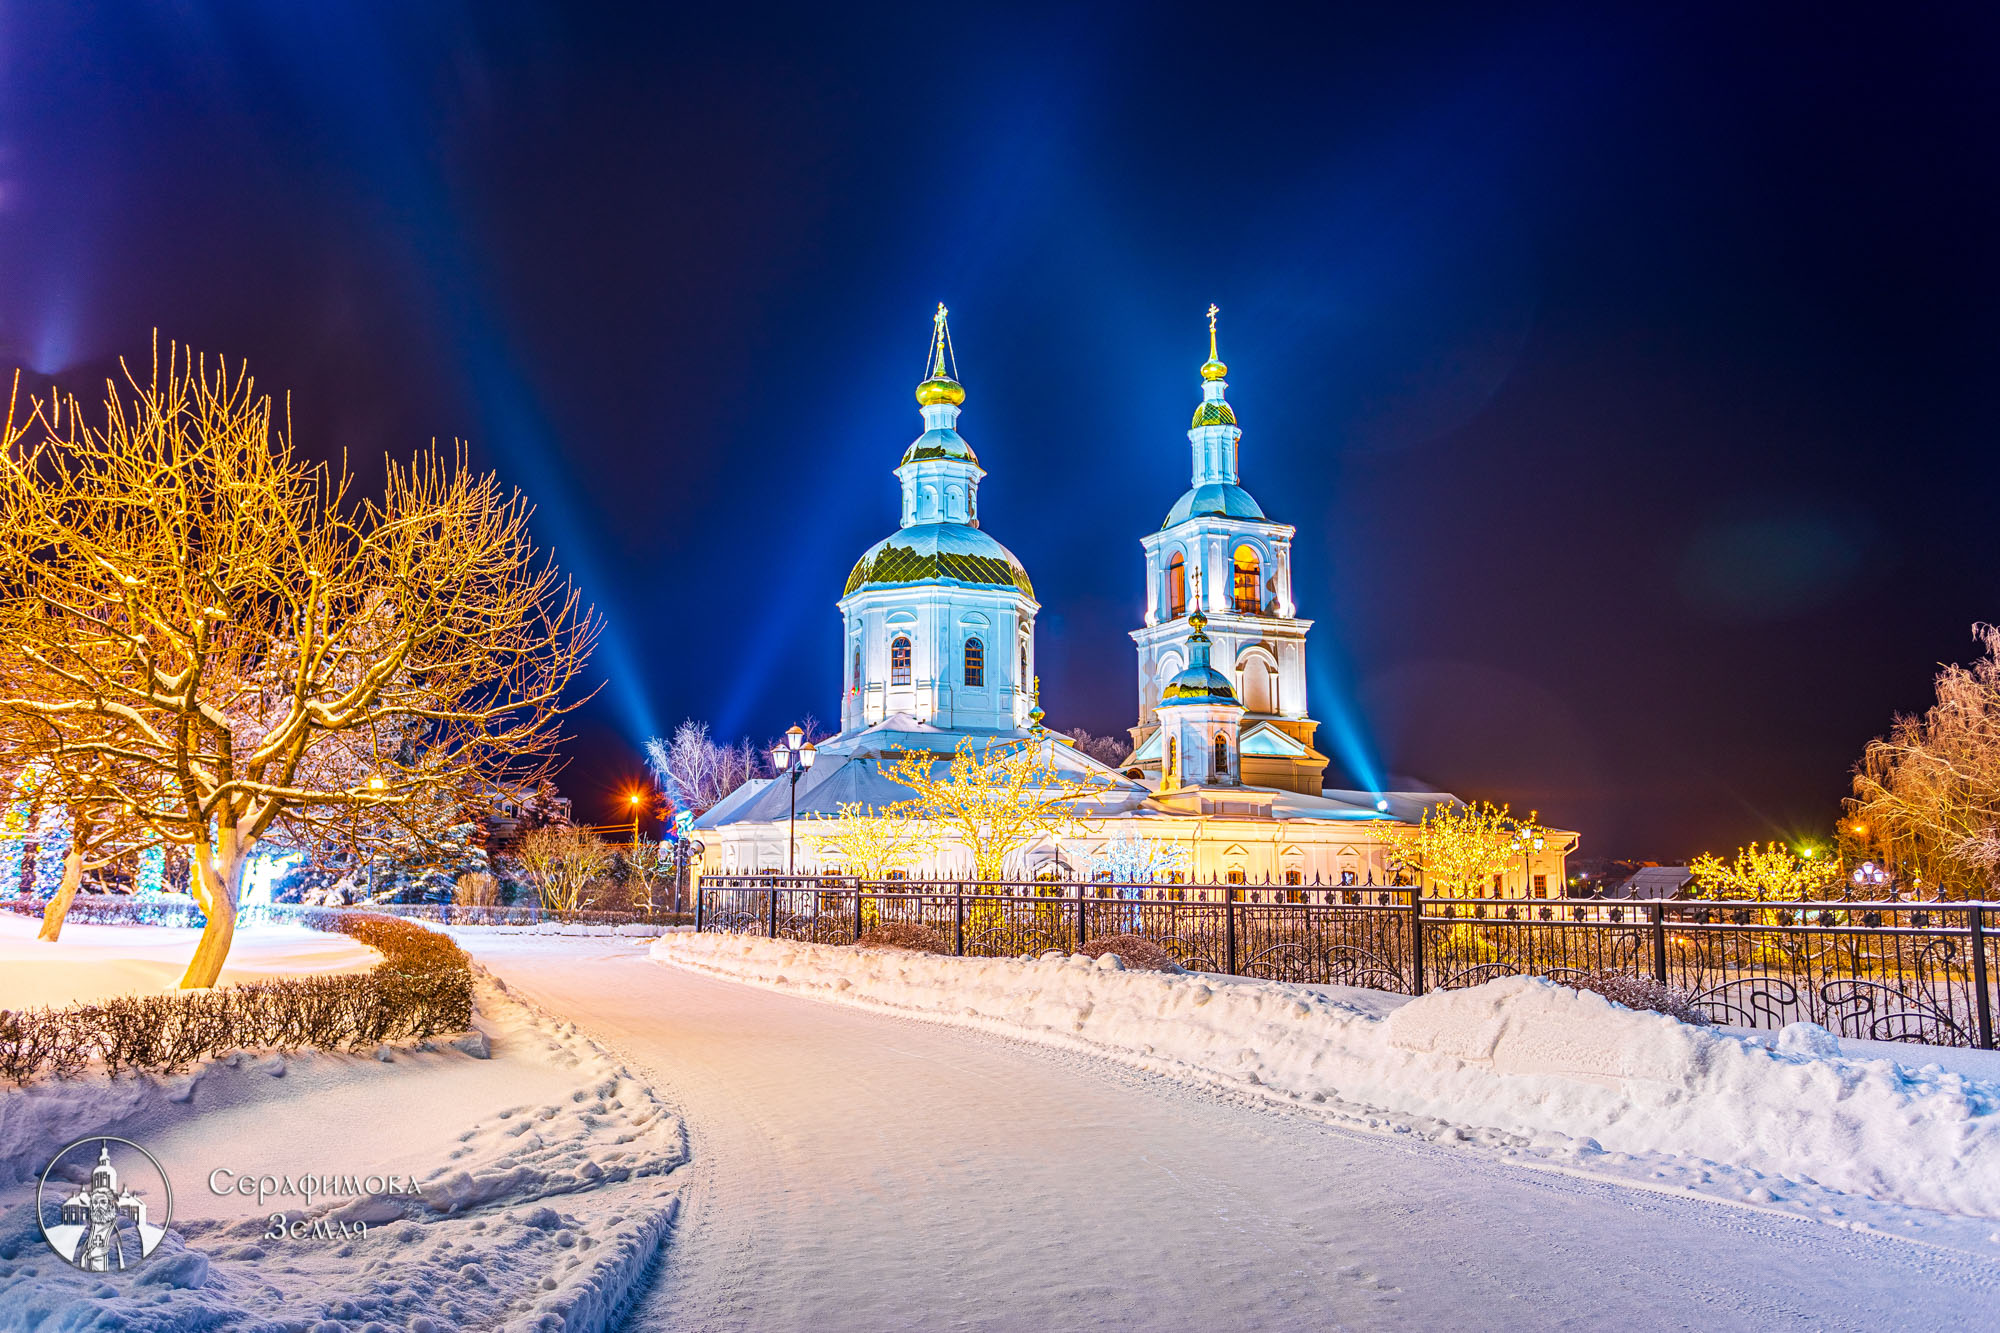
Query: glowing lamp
column 807, row 754
column 1382, row 805
column 781, row 757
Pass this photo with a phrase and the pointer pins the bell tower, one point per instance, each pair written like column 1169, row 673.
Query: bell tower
column 1219, row 571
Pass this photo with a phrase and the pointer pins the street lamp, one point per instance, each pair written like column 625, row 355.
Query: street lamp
column 375, row 786
column 793, row 756
column 1529, row 840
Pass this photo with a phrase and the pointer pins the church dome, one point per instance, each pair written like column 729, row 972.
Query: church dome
column 941, row 442
column 940, row 389
column 939, row 553
column 1215, row 497
column 1198, row 682
column 1217, row 413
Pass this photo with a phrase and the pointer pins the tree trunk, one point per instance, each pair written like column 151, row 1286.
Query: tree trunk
column 220, row 886
column 58, row 909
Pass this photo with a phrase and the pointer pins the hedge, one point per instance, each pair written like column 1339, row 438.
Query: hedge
column 422, row 987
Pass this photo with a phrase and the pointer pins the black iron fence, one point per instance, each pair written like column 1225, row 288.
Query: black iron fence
column 1891, row 971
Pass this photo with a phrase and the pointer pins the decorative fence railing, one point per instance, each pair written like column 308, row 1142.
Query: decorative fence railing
column 179, row 910
column 1892, row 971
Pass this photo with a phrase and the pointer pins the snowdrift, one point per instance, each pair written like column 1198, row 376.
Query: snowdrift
column 1522, row 1059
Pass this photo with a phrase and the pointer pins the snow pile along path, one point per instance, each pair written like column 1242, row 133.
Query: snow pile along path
column 543, row 1194
column 1546, row 1069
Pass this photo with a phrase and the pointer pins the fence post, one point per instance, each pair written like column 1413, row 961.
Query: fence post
column 958, row 919
column 1416, row 940
column 1229, row 924
column 1983, row 1001
column 697, row 909
column 772, row 931
column 857, row 911
column 1660, row 942
column 1079, row 916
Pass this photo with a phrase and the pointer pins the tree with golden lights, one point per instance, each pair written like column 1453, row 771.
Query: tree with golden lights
column 1459, row 848
column 1928, row 793
column 869, row 843
column 995, row 798
column 220, row 632
column 1770, row 873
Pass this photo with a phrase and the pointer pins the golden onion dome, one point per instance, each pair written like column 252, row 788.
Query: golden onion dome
column 1212, row 369
column 940, row 389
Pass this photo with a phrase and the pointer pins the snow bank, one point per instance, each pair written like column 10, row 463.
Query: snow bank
column 95, row 962
column 545, row 1188
column 1522, row 1061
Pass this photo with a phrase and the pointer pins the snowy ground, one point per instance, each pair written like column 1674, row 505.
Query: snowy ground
column 91, row 963
column 858, row 1169
column 544, row 1192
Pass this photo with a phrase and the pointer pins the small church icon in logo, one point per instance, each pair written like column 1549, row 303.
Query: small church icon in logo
column 104, row 1225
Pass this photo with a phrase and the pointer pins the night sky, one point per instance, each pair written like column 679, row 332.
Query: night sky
column 1630, row 379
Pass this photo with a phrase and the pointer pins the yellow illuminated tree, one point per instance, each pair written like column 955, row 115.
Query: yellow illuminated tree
column 995, row 798
column 869, row 843
column 1458, row 848
column 1928, row 793
column 1769, row 873
column 218, row 630
column 564, row 865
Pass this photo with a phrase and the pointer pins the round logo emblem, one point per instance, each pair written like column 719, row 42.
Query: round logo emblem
column 97, row 1201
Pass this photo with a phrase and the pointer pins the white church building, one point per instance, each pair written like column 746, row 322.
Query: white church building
column 939, row 645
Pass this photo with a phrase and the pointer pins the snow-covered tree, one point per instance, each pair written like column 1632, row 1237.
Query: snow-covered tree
column 695, row 771
column 183, row 595
column 1131, row 858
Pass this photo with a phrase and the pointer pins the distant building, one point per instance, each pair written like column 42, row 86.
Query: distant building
column 1653, row 882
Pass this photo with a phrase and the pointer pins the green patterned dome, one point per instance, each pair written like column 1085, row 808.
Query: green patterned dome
column 1217, row 413
column 939, row 552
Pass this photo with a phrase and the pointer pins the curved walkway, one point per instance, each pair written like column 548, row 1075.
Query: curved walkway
column 857, row 1171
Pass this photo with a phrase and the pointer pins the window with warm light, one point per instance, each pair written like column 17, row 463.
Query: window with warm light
column 899, row 661
column 1222, row 756
column 1249, row 600
column 1541, row 886
column 975, row 663
column 1176, row 587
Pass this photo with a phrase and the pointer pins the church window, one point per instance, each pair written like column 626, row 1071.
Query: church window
column 856, row 687
column 1022, row 682
column 1221, row 756
column 1295, row 877
column 975, row 663
column 899, row 661
column 1176, row 587
column 1249, row 600
column 1173, row 755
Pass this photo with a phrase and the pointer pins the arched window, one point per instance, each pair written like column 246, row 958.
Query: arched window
column 975, row 663
column 856, row 687
column 1221, row 755
column 1173, row 756
column 1176, row 587
column 1022, row 682
column 1249, row 597
column 899, row 661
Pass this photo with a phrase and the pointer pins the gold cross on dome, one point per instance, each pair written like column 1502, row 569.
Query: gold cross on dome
column 1213, row 311
column 937, row 336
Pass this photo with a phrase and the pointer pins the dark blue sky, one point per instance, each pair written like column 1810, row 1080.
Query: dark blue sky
column 1630, row 378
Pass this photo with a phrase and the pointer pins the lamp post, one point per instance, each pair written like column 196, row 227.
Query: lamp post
column 793, row 756
column 375, row 785
column 1529, row 840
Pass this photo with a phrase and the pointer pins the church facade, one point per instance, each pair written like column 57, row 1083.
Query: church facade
column 938, row 644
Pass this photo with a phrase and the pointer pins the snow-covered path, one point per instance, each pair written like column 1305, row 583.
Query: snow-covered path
column 852, row 1170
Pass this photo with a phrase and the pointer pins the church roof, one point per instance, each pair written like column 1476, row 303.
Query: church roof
column 935, row 553
column 1216, row 497
column 942, row 442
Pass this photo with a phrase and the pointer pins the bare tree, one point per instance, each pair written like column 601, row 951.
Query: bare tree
column 1107, row 750
column 1929, row 791
column 253, row 649
column 694, row 770
column 564, row 864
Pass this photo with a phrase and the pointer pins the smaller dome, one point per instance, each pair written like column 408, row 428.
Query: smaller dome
column 1199, row 684
column 1217, row 413
column 1212, row 369
column 1215, row 497
column 940, row 389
